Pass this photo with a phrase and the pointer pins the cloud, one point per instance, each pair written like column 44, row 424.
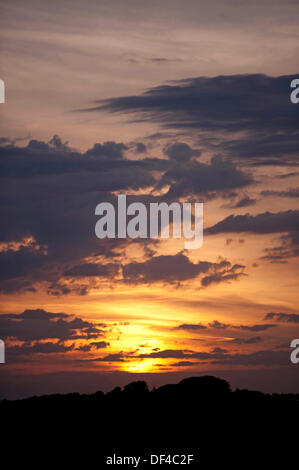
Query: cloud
column 231, row 102
column 39, row 348
column 219, row 325
column 182, row 364
column 252, row 340
column 220, row 356
column 244, row 202
column 261, row 327
column 256, row 104
column 257, row 358
column 115, row 357
column 194, row 177
column 289, row 248
column 178, row 268
column 108, row 150
column 167, row 268
column 140, row 147
column 191, row 326
column 267, row 222
column 288, row 175
column 291, row 193
column 39, row 324
column 93, row 345
column 232, row 273
column 276, row 146
column 180, row 152
column 51, row 191
column 166, row 354
column 92, row 270
column 283, row 317
column 224, row 326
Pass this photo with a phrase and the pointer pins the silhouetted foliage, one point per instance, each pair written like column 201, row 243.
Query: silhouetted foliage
column 200, row 415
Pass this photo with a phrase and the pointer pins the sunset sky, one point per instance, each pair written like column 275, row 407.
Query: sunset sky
column 185, row 101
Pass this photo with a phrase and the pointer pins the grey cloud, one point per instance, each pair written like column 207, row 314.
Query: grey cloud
column 258, row 358
column 235, row 102
column 261, row 327
column 283, row 317
column 219, row 325
column 178, row 268
column 93, row 345
column 199, row 178
column 252, row 340
column 181, row 152
column 254, row 103
column 232, row 273
column 39, row 348
column 289, row 248
column 140, row 147
column 291, row 193
column 167, row 353
column 224, row 326
column 92, row 270
column 191, row 326
column 267, row 222
column 244, row 202
column 39, row 324
column 107, row 150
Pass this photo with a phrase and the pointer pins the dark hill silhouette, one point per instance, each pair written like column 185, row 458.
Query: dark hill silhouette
column 224, row 429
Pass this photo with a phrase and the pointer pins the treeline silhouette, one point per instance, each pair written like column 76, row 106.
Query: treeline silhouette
column 200, row 415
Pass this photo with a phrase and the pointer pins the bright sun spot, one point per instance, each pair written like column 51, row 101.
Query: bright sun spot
column 146, row 365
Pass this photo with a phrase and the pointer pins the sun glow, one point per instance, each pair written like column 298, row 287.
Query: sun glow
column 147, row 365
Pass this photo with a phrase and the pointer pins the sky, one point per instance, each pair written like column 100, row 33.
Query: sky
column 185, row 101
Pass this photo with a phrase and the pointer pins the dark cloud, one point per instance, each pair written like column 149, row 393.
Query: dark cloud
column 116, row 357
column 39, row 324
column 235, row 102
column 38, row 348
column 51, row 191
column 191, row 326
column 244, row 202
column 181, row 152
column 19, row 263
column 230, row 274
column 259, row 358
column 194, row 177
column 220, row 356
column 167, row 268
column 261, row 327
column 288, row 175
column 252, row 340
column 50, row 194
column 283, row 317
column 291, row 193
column 219, row 325
column 58, row 289
column 267, row 222
column 219, row 350
column 140, row 147
column 268, row 146
column 178, row 268
column 224, row 326
column 93, row 345
column 166, row 354
column 289, row 248
column 92, row 270
column 107, row 150
column 254, row 103
column 182, row 364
